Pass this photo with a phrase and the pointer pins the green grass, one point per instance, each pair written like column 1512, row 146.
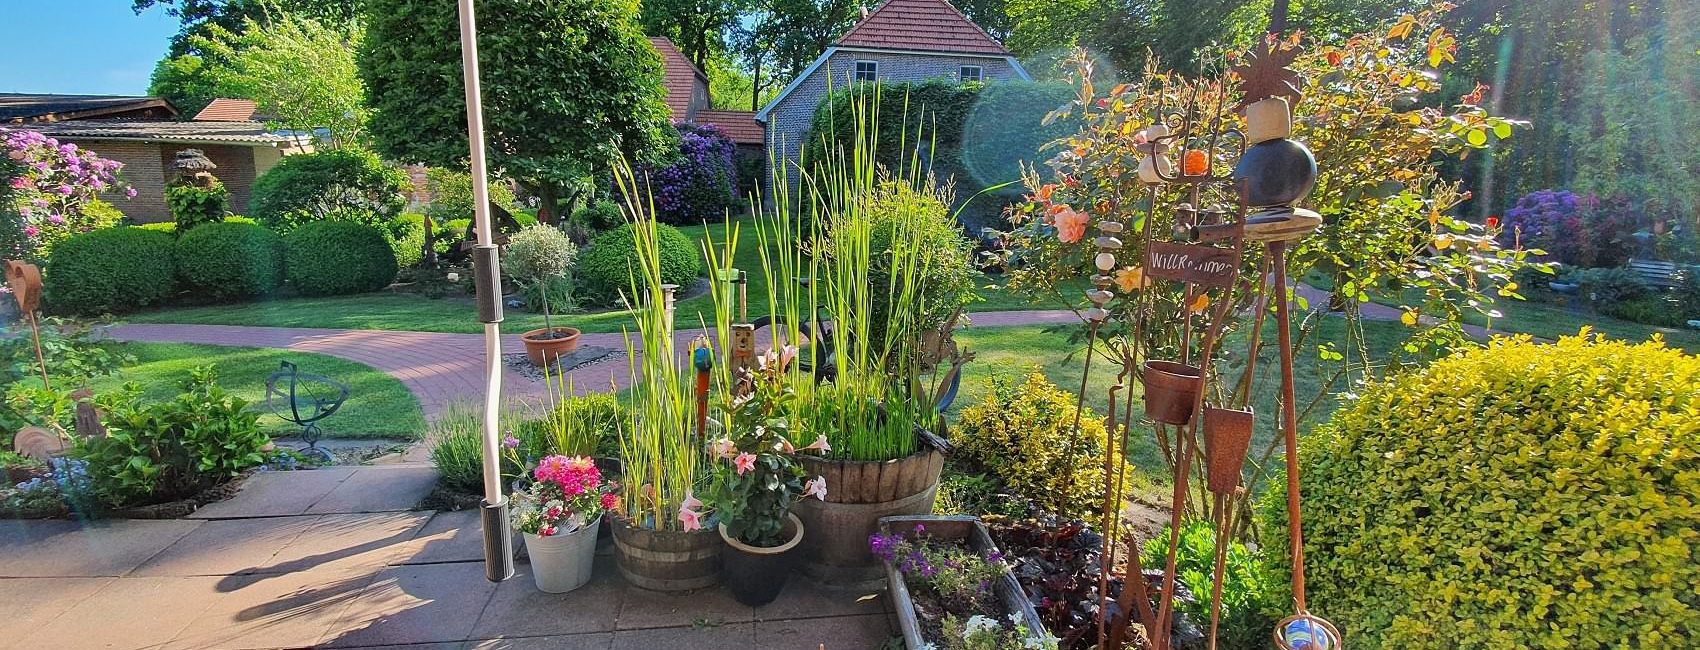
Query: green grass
column 458, row 314
column 378, row 405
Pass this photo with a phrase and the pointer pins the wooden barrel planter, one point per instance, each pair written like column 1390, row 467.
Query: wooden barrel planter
column 667, row 560
column 858, row 493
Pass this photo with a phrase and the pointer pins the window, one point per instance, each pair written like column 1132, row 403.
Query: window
column 867, row 70
column 969, row 73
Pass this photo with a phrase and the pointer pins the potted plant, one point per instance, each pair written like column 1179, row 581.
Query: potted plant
column 539, row 258
column 559, row 514
column 951, row 589
column 754, row 481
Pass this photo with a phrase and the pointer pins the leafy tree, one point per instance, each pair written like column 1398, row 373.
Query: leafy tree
column 299, row 70
column 990, row 15
column 800, row 30
column 187, row 81
column 198, row 17
column 696, row 26
column 569, row 86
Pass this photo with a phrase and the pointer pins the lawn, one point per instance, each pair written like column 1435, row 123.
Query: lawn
column 411, row 312
column 378, row 405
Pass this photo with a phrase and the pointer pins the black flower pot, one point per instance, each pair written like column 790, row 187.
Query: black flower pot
column 757, row 574
column 1276, row 172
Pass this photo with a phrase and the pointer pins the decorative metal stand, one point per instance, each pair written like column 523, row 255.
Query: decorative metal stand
column 304, row 399
column 1271, row 173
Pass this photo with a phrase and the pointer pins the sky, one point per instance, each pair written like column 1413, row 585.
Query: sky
column 80, row 47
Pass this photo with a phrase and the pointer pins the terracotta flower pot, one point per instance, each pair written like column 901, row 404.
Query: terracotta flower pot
column 1171, row 391
column 543, row 350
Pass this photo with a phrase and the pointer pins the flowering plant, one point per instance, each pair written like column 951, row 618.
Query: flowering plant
column 698, row 183
column 981, row 632
column 754, row 478
column 566, row 494
column 52, row 191
column 952, row 588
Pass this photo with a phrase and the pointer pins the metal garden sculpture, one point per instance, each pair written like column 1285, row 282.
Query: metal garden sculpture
column 304, row 399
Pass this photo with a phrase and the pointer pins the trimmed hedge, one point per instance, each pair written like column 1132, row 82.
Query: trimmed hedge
column 327, row 258
column 319, row 186
column 113, row 270
column 604, row 269
column 1521, row 495
column 226, row 261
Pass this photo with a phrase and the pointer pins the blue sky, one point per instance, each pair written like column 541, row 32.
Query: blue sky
column 82, row 47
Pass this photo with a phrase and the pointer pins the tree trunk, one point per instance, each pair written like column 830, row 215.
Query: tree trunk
column 546, row 195
column 429, row 255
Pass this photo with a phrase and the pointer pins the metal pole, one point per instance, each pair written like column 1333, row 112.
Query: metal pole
column 498, row 534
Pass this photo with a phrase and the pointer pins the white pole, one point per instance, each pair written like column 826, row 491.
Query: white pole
column 498, row 540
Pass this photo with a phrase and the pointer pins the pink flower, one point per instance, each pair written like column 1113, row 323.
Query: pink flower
column 744, row 462
column 820, row 444
column 1071, row 225
column 546, row 530
column 610, row 501
column 129, row 192
column 688, row 513
column 55, row 219
column 65, row 190
column 816, row 487
column 721, row 448
column 784, row 446
column 510, row 442
column 31, row 231
column 20, row 183
column 786, row 354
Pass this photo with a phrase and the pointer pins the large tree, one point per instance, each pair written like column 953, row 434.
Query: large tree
column 300, row 71
column 198, row 17
column 569, row 87
column 698, row 27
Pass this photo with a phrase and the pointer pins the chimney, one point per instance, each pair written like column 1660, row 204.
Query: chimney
column 864, row 8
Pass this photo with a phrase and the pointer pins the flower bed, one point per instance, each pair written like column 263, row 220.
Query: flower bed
column 951, row 588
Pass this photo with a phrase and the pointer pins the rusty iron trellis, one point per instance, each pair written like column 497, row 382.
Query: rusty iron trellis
column 1269, row 177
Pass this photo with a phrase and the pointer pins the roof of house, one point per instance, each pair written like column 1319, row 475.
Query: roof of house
column 228, row 110
column 924, row 25
column 248, row 133
column 24, row 108
column 680, row 76
column 740, row 126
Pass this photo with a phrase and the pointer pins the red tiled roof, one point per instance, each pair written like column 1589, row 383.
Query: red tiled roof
column 227, row 110
column 680, row 77
column 929, row 25
column 740, row 126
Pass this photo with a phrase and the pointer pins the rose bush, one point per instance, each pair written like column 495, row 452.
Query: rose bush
column 52, row 191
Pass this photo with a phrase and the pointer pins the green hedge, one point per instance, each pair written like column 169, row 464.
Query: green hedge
column 325, row 258
column 319, row 186
column 604, row 269
column 1521, row 495
column 110, row 271
column 227, row 261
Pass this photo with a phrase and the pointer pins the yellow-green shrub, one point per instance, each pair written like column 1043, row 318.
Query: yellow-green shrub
column 1517, row 496
column 1024, row 433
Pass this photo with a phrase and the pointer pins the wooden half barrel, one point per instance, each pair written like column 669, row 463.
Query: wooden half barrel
column 667, row 560
column 835, row 550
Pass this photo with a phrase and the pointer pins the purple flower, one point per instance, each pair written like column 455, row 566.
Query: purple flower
column 65, row 190
column 129, row 192
column 510, row 442
column 20, row 183
column 56, row 220
column 883, row 546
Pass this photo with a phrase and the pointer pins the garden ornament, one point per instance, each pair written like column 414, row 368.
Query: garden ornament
column 24, row 279
column 702, row 359
column 304, row 399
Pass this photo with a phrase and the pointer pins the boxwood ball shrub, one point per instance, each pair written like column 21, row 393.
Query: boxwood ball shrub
column 604, row 269
column 1520, row 495
column 110, row 271
column 317, row 186
column 326, row 258
column 1023, row 434
column 230, row 260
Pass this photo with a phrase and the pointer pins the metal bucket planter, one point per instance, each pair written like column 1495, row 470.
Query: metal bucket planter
column 1171, row 391
column 562, row 563
column 858, row 494
column 664, row 560
column 1227, row 436
column 1009, row 591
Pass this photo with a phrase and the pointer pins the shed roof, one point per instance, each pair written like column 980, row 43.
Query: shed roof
column 21, row 108
column 924, row 25
column 228, row 110
column 244, row 133
column 680, row 76
column 740, row 126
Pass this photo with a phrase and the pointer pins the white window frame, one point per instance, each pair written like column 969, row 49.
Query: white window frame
column 872, row 75
column 979, row 73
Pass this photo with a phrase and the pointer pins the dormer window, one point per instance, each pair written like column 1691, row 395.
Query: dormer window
column 970, row 73
column 867, row 71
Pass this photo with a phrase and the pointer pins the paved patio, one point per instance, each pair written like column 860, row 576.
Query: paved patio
column 336, row 558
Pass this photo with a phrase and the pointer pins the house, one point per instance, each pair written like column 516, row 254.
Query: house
column 900, row 40
column 688, row 97
column 143, row 134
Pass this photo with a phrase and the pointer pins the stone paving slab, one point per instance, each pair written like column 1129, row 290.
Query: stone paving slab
column 642, row 608
column 272, row 610
column 430, row 603
column 867, row 631
column 732, row 636
column 61, row 548
column 348, row 542
column 276, row 494
column 126, row 614
column 447, row 537
column 379, row 488
column 227, row 546
column 519, row 609
column 592, row 641
column 29, row 603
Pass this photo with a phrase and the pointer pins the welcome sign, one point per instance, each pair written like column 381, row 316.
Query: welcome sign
column 1204, row 265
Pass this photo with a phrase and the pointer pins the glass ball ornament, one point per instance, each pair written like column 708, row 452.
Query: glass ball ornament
column 1307, row 632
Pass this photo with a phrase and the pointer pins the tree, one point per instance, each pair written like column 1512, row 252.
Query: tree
column 199, row 16
column 187, row 81
column 990, row 15
column 300, row 71
column 569, row 87
column 698, row 27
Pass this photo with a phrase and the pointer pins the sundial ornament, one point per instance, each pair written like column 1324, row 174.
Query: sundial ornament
column 304, row 399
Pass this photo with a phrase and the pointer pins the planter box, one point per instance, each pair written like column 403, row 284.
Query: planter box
column 1008, row 591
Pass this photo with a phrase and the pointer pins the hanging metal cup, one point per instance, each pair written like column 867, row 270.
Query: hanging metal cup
column 1171, row 391
column 1227, row 436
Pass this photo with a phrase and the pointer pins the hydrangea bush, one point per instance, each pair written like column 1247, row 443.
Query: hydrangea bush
column 698, row 185
column 50, row 188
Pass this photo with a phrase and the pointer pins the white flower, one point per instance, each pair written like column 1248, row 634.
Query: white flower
column 979, row 624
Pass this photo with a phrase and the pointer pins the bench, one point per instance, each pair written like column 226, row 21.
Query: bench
column 1662, row 276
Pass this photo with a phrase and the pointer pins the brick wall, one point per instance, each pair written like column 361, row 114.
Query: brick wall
column 788, row 122
column 142, row 170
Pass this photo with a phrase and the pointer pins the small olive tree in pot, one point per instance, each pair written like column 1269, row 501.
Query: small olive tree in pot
column 540, row 257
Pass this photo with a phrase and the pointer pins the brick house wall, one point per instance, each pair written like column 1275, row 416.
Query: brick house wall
column 142, row 170
column 788, row 122
column 236, row 168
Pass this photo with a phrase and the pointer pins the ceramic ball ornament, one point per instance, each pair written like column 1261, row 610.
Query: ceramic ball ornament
column 1275, row 171
column 1155, row 165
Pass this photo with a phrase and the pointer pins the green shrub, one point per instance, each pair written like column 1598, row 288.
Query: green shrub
column 1607, row 288
column 192, row 205
column 110, row 271
column 328, row 258
column 604, row 269
column 1518, row 496
column 171, row 450
column 407, row 237
column 74, row 355
column 1688, row 294
column 100, row 214
column 540, row 259
column 315, row 186
column 225, row 261
column 1656, row 310
column 167, row 227
column 1024, row 435
column 921, row 218
column 599, row 216
column 1251, row 599
column 451, row 195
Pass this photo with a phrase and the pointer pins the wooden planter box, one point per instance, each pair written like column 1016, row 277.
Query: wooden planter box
column 1007, row 589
